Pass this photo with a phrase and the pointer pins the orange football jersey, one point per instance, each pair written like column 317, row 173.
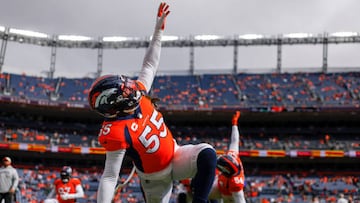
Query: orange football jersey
column 66, row 188
column 233, row 184
column 144, row 135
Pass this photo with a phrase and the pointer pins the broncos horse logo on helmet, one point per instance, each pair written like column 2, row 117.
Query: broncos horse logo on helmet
column 111, row 95
column 228, row 165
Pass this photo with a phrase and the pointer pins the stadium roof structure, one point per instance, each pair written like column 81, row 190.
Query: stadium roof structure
column 120, row 42
column 117, row 42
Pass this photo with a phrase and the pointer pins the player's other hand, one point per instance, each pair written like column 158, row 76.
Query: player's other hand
column 64, row 196
column 163, row 12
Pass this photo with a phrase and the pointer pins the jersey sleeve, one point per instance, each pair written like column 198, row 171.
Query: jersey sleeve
column 57, row 182
column 141, row 85
column 236, row 183
column 110, row 175
column 76, row 181
column 112, row 137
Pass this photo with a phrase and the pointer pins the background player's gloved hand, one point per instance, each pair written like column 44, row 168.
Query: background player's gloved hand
column 163, row 12
column 235, row 118
column 64, row 196
column 67, row 196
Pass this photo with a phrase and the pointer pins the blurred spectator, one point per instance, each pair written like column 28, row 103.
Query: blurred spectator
column 9, row 180
column 342, row 199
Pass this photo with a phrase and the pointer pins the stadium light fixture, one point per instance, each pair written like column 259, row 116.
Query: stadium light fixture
column 251, row 36
column 207, row 37
column 115, row 39
column 73, row 38
column 2, row 29
column 344, row 34
column 169, row 38
column 28, row 33
column 297, row 35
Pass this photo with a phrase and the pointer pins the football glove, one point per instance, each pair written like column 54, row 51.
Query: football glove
column 163, row 12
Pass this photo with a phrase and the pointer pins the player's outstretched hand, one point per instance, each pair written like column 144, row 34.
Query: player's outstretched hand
column 235, row 118
column 64, row 196
column 163, row 12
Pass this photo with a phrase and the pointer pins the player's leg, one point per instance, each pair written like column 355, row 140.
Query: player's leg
column 8, row 197
column 197, row 162
column 182, row 198
column 157, row 191
column 215, row 192
column 202, row 182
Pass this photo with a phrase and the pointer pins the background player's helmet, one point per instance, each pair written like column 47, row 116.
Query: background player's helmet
column 228, row 165
column 65, row 174
column 110, row 95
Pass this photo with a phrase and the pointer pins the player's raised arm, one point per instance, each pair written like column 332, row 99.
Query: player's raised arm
column 152, row 56
column 235, row 135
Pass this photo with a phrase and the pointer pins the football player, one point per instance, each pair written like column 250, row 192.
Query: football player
column 66, row 188
column 229, row 183
column 132, row 124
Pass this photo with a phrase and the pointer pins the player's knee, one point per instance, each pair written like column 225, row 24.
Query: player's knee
column 207, row 158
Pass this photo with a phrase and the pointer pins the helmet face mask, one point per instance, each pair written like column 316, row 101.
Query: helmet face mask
column 228, row 165
column 65, row 174
column 111, row 95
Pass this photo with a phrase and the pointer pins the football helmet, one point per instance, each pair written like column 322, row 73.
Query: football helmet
column 110, row 95
column 228, row 165
column 65, row 174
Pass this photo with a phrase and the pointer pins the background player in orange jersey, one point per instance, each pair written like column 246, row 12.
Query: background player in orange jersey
column 229, row 183
column 66, row 188
column 133, row 125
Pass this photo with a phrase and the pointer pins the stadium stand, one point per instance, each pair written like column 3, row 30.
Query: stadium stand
column 184, row 90
column 31, row 87
column 275, row 93
column 285, row 90
column 35, row 184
